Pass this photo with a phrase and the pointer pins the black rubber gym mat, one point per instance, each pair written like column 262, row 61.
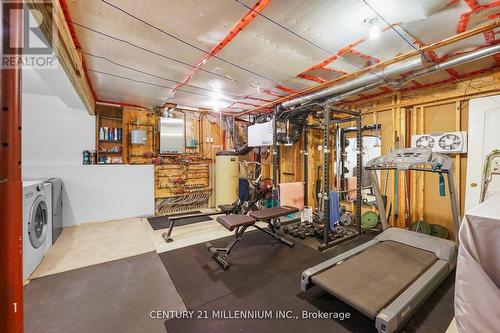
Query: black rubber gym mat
column 116, row 296
column 163, row 222
column 199, row 279
column 281, row 292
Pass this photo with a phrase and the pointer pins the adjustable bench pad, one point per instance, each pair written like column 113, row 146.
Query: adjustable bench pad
column 272, row 213
column 232, row 222
column 226, row 208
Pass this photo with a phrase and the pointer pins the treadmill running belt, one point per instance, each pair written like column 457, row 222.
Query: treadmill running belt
column 372, row 279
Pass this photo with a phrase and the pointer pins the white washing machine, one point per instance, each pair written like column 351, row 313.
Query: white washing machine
column 37, row 224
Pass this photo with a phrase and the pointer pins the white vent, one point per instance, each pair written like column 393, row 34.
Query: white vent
column 447, row 143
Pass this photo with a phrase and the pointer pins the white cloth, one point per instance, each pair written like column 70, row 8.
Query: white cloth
column 477, row 293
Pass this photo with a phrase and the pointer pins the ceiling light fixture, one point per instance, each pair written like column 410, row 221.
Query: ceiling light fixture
column 375, row 30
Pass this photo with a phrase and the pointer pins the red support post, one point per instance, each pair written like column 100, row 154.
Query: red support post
column 11, row 266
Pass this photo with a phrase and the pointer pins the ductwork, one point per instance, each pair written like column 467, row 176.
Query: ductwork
column 474, row 55
column 369, row 78
column 370, row 81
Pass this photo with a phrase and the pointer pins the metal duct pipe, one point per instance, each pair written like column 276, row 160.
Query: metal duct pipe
column 406, row 66
column 369, row 82
column 474, row 55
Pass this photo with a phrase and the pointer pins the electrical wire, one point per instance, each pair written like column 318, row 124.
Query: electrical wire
column 305, row 39
column 150, row 51
column 411, row 44
column 151, row 84
column 150, row 74
column 188, row 43
column 79, row 25
column 392, row 27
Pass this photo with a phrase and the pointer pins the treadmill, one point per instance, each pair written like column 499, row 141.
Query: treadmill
column 389, row 277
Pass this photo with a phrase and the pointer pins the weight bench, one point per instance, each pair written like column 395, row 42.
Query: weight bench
column 239, row 223
column 239, row 207
column 231, row 209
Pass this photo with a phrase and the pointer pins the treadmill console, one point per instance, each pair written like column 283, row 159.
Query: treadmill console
column 405, row 157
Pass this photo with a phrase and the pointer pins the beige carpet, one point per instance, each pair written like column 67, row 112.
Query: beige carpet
column 95, row 243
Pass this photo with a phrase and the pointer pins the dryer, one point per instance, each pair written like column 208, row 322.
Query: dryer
column 57, row 204
column 37, row 224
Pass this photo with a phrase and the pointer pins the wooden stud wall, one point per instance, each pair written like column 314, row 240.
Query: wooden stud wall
column 438, row 109
column 134, row 118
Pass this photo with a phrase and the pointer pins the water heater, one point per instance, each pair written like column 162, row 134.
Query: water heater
column 226, row 177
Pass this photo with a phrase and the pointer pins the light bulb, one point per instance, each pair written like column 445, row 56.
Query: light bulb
column 374, row 32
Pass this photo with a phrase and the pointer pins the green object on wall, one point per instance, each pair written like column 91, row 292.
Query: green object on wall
column 369, row 220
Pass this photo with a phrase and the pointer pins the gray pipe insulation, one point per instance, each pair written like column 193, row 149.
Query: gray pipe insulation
column 359, row 85
column 381, row 77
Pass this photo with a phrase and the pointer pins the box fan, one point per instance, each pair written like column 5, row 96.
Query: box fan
column 446, row 143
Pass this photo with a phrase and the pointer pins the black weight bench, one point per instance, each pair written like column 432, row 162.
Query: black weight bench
column 231, row 209
column 239, row 223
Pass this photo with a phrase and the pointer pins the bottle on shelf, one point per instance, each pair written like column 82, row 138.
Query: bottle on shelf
column 111, row 134
column 101, row 133
column 116, row 134
column 106, row 133
column 86, row 157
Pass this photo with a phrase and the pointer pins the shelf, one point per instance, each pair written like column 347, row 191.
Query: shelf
column 110, row 118
column 110, row 152
column 111, row 141
column 110, row 164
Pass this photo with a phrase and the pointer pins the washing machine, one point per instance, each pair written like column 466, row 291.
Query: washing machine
column 37, row 224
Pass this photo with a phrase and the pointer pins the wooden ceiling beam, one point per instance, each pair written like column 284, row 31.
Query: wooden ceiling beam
column 52, row 22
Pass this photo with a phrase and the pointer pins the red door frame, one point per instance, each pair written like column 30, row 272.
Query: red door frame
column 11, row 265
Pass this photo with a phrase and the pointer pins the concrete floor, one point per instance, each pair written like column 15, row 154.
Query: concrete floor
column 94, row 243
column 116, row 296
column 105, row 277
